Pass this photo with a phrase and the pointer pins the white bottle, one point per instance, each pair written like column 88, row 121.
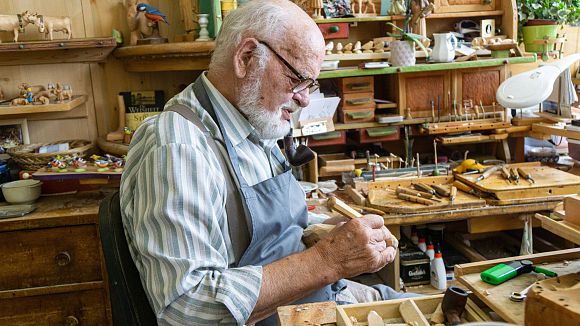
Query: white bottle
column 422, row 246
column 438, row 274
column 430, row 251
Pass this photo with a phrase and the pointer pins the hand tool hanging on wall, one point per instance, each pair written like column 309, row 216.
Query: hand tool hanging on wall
column 526, row 175
column 436, row 171
column 432, row 111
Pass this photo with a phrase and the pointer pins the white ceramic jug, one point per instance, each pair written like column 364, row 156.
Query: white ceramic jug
column 444, row 49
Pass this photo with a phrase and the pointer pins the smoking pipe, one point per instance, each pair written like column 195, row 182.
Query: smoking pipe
column 296, row 156
column 453, row 304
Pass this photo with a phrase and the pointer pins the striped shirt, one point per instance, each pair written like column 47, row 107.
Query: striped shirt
column 173, row 196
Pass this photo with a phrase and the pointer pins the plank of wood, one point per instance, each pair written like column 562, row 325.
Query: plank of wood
column 43, row 108
column 464, row 126
column 564, row 229
column 497, row 223
column 497, row 296
column 551, row 129
column 310, row 313
column 411, row 313
column 471, row 139
column 355, row 195
column 572, row 209
column 387, row 200
column 548, row 182
column 555, row 300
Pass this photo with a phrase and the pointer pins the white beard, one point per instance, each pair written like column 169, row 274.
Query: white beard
column 268, row 124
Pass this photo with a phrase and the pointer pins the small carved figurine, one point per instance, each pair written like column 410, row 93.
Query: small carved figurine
column 48, row 25
column 379, row 47
column 317, row 9
column 368, row 47
column 348, row 48
column 14, row 24
column 143, row 20
column 329, row 47
column 79, row 164
column 357, row 48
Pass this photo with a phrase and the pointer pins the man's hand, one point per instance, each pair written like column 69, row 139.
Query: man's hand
column 359, row 246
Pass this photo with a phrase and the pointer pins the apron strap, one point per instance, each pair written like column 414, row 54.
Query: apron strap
column 238, row 230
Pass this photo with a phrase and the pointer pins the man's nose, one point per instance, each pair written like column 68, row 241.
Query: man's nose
column 302, row 98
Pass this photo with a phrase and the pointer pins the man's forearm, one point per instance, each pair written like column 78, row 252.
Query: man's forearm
column 289, row 279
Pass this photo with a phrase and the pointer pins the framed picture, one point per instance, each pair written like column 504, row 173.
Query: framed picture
column 13, row 132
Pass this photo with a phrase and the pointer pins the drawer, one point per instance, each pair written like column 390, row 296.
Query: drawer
column 71, row 308
column 337, row 137
column 333, row 30
column 373, row 135
column 355, row 116
column 51, row 256
column 357, row 85
column 353, row 101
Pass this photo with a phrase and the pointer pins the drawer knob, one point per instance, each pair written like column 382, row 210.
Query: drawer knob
column 333, row 29
column 62, row 258
column 71, row 321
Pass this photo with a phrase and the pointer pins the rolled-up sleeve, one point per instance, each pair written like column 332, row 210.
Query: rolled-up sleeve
column 178, row 233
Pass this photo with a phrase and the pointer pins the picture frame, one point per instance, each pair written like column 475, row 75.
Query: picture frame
column 13, row 132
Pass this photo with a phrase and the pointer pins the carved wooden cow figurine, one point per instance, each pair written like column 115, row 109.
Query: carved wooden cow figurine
column 49, row 24
column 14, row 23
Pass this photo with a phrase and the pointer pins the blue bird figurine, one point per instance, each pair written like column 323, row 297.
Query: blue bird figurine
column 152, row 13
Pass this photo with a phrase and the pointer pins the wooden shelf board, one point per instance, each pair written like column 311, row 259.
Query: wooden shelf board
column 348, row 72
column 471, row 139
column 386, row 105
column 354, row 19
column 458, row 15
column 179, row 56
column 57, row 51
column 564, row 229
column 53, row 107
column 550, row 129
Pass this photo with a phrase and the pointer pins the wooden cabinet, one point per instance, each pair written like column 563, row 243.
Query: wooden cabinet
column 478, row 84
column 52, row 270
column 446, row 6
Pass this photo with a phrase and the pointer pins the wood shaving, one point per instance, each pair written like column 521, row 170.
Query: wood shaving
column 566, row 263
column 354, row 321
column 486, row 292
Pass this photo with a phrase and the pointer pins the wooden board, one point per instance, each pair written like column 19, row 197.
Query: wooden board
column 497, row 296
column 549, row 182
column 459, row 126
column 555, row 300
column 471, row 139
column 90, row 173
column 387, row 200
column 307, row 314
column 564, row 229
column 7, row 109
column 389, row 310
column 551, row 129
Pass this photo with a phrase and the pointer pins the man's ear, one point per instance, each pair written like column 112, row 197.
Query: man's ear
column 243, row 56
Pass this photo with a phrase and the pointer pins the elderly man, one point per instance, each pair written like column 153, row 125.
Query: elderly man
column 212, row 213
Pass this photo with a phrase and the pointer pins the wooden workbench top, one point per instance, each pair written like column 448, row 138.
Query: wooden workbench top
column 53, row 211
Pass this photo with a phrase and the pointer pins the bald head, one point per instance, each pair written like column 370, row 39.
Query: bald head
column 280, row 23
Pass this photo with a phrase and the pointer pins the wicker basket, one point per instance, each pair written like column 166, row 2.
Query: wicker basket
column 27, row 159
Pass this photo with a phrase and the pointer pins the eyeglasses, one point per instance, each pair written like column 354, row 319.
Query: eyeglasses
column 303, row 82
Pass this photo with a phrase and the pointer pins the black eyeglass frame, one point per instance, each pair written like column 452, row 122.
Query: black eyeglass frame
column 303, row 82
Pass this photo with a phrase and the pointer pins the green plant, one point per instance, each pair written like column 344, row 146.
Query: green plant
column 411, row 37
column 560, row 11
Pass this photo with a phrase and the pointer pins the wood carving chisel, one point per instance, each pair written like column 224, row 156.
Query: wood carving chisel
column 341, row 207
column 515, row 176
column 453, row 194
column 425, row 188
column 412, row 192
column 526, row 176
column 506, row 174
column 415, row 199
column 432, row 111
column 465, row 188
column 441, row 190
column 489, row 171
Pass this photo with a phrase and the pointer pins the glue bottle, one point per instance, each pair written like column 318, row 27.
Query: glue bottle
column 414, row 238
column 422, row 246
column 430, row 250
column 438, row 274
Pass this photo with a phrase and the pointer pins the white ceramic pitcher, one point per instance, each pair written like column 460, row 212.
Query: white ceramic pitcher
column 444, row 49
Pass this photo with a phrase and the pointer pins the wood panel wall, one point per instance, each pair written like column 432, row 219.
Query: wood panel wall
column 101, row 82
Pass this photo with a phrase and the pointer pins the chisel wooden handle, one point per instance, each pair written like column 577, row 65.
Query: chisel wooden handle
column 489, row 171
column 505, row 173
column 341, row 207
column 453, row 194
column 526, row 175
column 463, row 187
column 423, row 187
column 401, row 190
column 441, row 190
column 415, row 199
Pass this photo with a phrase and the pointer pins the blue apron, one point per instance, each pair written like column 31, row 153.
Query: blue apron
column 276, row 214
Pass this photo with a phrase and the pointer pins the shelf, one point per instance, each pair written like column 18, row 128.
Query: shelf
column 57, row 51
column 474, row 139
column 354, row 19
column 53, row 107
column 549, row 129
column 349, row 72
column 449, row 15
column 166, row 57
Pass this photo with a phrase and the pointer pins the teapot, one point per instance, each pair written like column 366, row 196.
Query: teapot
column 444, row 49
